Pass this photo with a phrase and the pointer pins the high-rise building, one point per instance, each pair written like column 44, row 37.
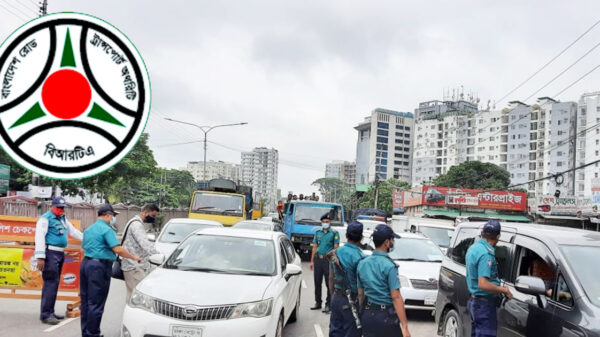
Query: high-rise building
column 588, row 146
column 259, row 170
column 343, row 170
column 383, row 147
column 214, row 170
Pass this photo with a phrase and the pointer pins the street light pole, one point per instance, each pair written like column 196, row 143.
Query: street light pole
column 205, row 129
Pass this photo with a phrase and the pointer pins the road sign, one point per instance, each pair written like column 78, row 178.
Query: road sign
column 4, row 178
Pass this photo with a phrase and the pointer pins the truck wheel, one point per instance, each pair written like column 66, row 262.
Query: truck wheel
column 452, row 324
column 305, row 256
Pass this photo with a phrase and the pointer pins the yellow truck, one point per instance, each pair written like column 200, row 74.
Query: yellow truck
column 224, row 201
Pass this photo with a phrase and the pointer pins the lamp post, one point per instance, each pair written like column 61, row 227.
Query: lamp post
column 205, row 129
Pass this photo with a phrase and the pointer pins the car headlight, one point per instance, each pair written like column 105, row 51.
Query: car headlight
column 254, row 309
column 142, row 301
column 404, row 282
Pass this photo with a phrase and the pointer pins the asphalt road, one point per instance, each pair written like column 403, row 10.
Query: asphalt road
column 20, row 318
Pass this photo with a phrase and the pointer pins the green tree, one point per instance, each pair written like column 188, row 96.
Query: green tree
column 475, row 175
column 332, row 189
column 20, row 177
column 384, row 196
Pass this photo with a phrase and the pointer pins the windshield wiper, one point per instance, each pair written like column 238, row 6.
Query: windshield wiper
column 208, row 270
column 413, row 259
column 311, row 220
column 254, row 273
column 205, row 207
column 232, row 210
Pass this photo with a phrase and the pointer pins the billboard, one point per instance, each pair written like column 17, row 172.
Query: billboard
column 412, row 197
column 566, row 206
column 499, row 200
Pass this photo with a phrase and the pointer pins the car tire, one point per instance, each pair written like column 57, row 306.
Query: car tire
column 294, row 316
column 279, row 330
column 452, row 325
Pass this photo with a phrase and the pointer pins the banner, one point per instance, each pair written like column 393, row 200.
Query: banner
column 567, row 206
column 412, row 197
column 500, row 200
column 16, row 228
column 396, row 198
column 10, row 266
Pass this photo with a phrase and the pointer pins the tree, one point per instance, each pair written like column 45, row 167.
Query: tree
column 332, row 189
column 384, row 196
column 20, row 177
column 475, row 175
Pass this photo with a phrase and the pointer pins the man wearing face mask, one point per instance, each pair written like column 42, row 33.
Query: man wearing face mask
column 51, row 239
column 379, row 289
column 136, row 241
column 325, row 240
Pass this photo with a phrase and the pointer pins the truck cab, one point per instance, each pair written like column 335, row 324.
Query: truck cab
column 303, row 219
column 221, row 200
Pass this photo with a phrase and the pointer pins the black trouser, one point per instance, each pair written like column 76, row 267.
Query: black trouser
column 94, row 285
column 51, row 277
column 377, row 322
column 321, row 270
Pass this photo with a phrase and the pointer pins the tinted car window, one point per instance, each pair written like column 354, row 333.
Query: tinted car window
column 504, row 259
column 464, row 240
column 283, row 261
column 564, row 295
column 289, row 250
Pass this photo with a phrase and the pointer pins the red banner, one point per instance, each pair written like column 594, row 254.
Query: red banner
column 396, row 198
column 501, row 200
column 16, row 228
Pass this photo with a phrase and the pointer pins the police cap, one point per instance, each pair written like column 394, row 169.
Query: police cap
column 59, row 202
column 383, row 232
column 106, row 208
column 355, row 228
column 491, row 227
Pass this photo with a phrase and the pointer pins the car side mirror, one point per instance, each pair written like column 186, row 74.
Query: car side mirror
column 292, row 270
column 532, row 285
column 151, row 237
column 157, row 259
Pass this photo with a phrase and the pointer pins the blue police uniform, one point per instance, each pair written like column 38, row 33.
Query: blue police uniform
column 51, row 239
column 481, row 262
column 377, row 276
column 98, row 241
column 342, row 322
column 325, row 242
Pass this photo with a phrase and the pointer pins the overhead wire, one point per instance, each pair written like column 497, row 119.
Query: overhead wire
column 18, row 9
column 13, row 13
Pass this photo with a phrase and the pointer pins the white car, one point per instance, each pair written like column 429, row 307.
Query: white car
column 419, row 261
column 439, row 234
column 369, row 225
column 218, row 282
column 366, row 244
column 178, row 229
column 258, row 225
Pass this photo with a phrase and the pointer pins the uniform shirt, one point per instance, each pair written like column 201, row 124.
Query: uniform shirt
column 378, row 275
column 349, row 255
column 481, row 262
column 137, row 243
column 53, row 230
column 326, row 241
column 99, row 240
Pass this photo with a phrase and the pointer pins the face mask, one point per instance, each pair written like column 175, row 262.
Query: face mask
column 113, row 220
column 149, row 219
column 325, row 225
column 58, row 211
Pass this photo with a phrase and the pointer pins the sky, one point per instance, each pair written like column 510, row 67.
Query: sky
column 304, row 73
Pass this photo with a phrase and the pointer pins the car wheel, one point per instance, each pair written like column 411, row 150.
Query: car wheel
column 279, row 331
column 452, row 325
column 294, row 316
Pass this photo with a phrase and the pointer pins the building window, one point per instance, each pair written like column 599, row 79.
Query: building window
column 383, row 161
column 382, row 140
column 406, row 149
column 383, row 125
column 407, row 128
column 400, row 127
column 382, row 133
column 399, row 134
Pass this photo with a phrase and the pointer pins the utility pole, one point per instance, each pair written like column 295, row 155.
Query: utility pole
column 43, row 7
column 376, row 189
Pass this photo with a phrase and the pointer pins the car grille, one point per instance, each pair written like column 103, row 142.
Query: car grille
column 303, row 238
column 424, row 284
column 193, row 313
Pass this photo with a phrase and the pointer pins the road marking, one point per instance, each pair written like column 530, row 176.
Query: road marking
column 303, row 284
column 65, row 322
column 318, row 330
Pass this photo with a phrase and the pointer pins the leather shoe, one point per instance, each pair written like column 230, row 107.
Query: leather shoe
column 326, row 309
column 316, row 307
column 50, row 320
column 57, row 316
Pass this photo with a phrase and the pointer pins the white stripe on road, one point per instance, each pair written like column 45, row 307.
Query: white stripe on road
column 318, row 330
column 65, row 322
column 303, row 284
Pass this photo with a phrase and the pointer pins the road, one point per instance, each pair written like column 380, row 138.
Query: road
column 21, row 317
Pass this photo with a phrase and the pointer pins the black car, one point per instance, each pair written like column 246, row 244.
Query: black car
column 552, row 272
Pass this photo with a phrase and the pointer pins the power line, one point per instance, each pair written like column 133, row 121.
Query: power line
column 23, row 3
column 13, row 13
column 579, row 79
column 18, row 9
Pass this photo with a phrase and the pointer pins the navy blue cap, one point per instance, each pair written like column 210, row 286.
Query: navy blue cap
column 325, row 216
column 59, row 202
column 383, row 232
column 491, row 227
column 355, row 228
column 106, row 208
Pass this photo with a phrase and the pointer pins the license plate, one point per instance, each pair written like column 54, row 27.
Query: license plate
column 430, row 300
column 186, row 331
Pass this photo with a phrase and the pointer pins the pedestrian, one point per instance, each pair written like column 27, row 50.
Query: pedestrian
column 342, row 322
column 280, row 209
column 51, row 239
column 100, row 245
column 136, row 242
column 325, row 240
column 379, row 289
column 483, row 282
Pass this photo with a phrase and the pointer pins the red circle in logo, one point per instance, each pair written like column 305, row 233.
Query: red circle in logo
column 66, row 94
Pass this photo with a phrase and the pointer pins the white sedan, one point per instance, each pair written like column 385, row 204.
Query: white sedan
column 178, row 229
column 219, row 282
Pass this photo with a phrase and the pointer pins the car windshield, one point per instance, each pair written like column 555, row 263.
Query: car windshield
column 580, row 258
column 252, row 225
column 211, row 203
column 175, row 232
column 224, row 254
column 416, row 249
column 311, row 214
column 441, row 236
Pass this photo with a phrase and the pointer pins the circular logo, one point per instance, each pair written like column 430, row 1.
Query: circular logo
column 69, row 278
column 74, row 95
column 190, row 311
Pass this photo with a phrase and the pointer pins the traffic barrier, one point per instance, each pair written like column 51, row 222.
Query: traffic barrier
column 19, row 276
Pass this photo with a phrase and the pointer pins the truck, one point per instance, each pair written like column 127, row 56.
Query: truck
column 303, row 218
column 221, row 200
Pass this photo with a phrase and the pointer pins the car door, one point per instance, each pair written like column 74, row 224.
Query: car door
column 287, row 294
column 293, row 258
column 521, row 315
column 565, row 311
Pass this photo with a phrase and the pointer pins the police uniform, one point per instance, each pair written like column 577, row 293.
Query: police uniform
column 51, row 239
column 481, row 262
column 342, row 323
column 95, row 273
column 377, row 276
column 325, row 241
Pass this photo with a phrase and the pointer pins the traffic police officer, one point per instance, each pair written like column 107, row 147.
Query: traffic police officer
column 483, row 281
column 379, row 289
column 342, row 323
column 325, row 240
column 51, row 239
column 100, row 244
